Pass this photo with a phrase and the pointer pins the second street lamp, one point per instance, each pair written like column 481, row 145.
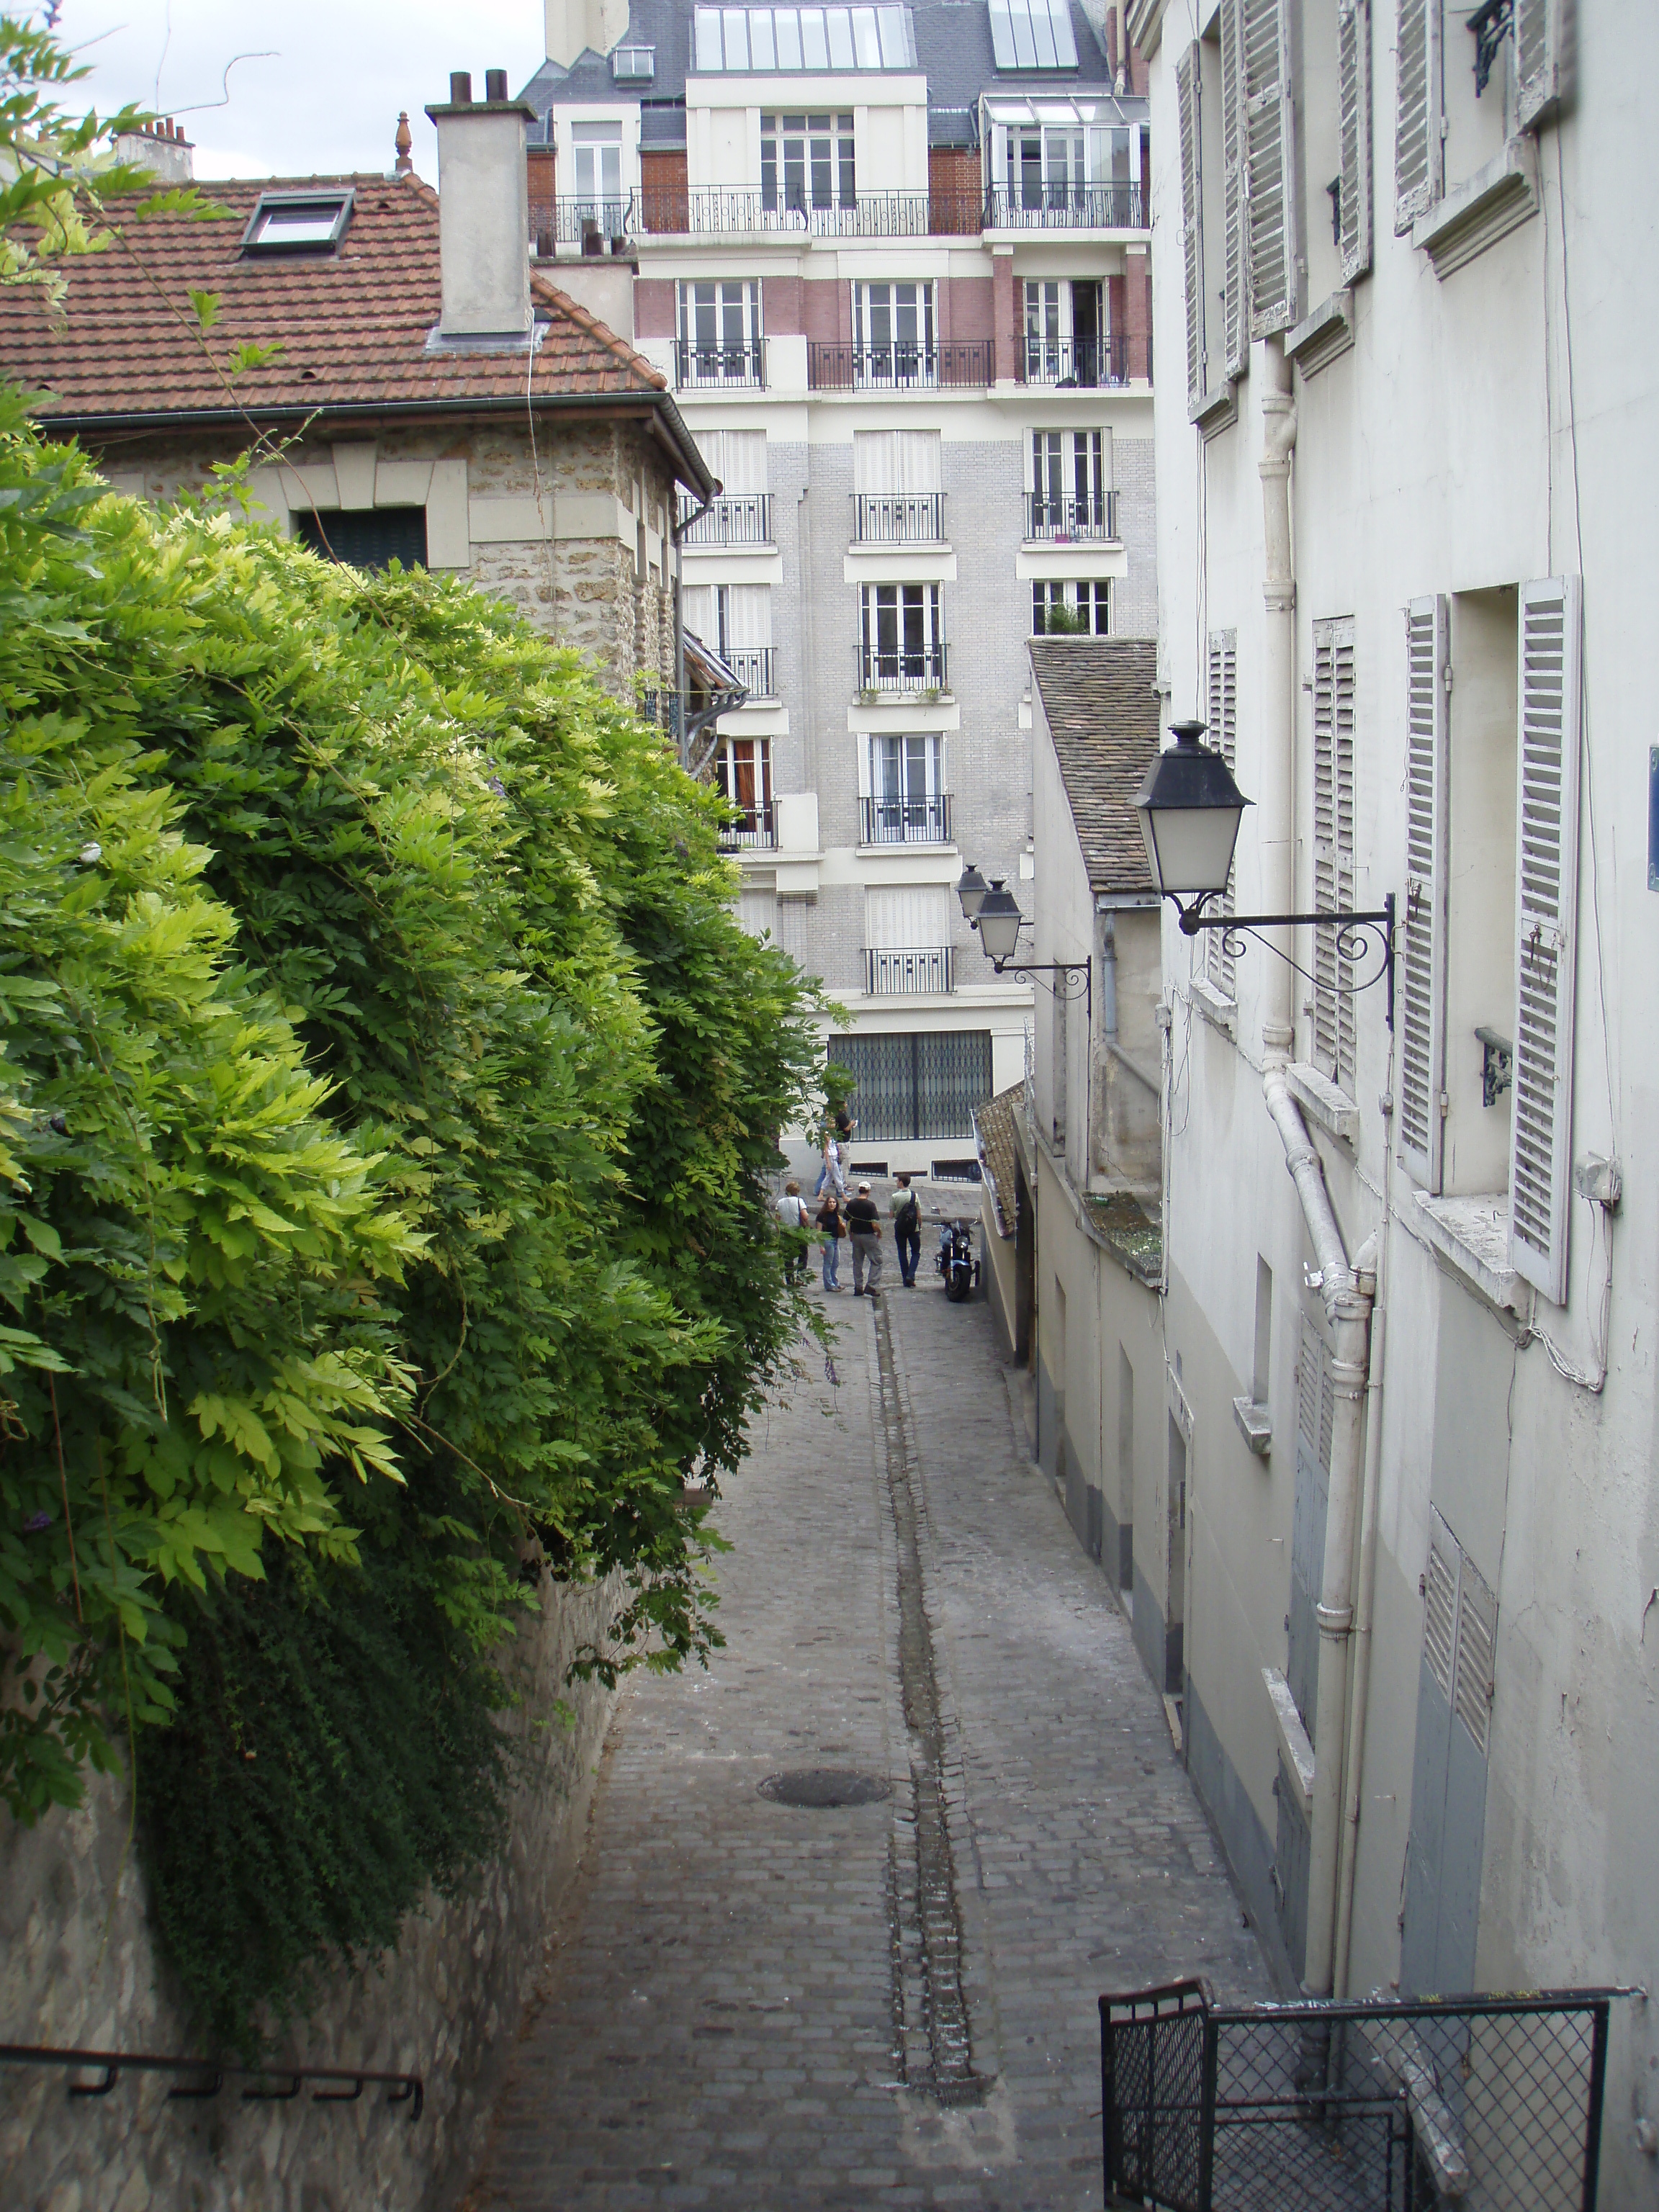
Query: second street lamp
column 1190, row 809
column 1000, row 923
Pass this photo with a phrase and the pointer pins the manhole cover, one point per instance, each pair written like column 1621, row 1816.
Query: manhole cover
column 824, row 1785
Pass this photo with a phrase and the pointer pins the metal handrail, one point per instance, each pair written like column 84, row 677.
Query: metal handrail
column 904, row 667
column 696, row 364
column 580, row 215
column 734, row 518
column 899, row 518
column 404, row 2088
column 678, row 211
column 1089, row 364
column 752, row 665
column 904, row 364
column 902, row 971
column 1063, row 514
column 1058, row 206
column 755, row 828
column 905, row 821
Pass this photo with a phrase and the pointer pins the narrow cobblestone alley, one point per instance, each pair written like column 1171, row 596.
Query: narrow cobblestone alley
column 750, row 2003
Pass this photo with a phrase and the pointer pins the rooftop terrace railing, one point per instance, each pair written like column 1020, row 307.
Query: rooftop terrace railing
column 1055, row 206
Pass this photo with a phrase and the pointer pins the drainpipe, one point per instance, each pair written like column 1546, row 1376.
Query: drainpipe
column 1275, row 808
column 1362, row 1655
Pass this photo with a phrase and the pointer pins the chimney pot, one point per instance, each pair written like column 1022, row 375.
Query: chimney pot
column 460, row 88
column 495, row 84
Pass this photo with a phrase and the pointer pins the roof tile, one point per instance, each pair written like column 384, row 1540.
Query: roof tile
column 1103, row 713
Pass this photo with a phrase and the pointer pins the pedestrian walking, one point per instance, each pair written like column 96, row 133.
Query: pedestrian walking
column 795, row 1220
column 864, row 1222
column 829, row 1218
column 832, row 1175
column 907, row 1230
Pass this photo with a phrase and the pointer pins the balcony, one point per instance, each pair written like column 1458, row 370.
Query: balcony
column 905, row 974
column 1062, row 520
column 906, row 366
column 908, row 668
column 1078, row 364
column 1059, row 206
column 905, row 821
column 736, row 519
column 714, row 367
column 676, row 212
column 899, row 518
column 755, row 830
column 752, row 666
column 595, row 225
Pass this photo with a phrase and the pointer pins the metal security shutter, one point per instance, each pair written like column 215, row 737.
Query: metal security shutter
column 1271, row 213
column 366, row 538
column 1334, row 1032
column 916, row 1085
column 1236, row 292
column 1422, row 971
column 1546, row 892
column 1538, row 62
column 1224, row 736
column 1192, row 221
column 1418, row 152
column 953, row 1077
column 1353, row 74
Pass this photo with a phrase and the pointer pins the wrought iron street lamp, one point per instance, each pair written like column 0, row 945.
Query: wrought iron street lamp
column 1190, row 809
column 971, row 888
column 998, row 920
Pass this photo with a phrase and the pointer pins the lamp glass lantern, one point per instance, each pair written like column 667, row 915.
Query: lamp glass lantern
column 1000, row 923
column 1190, row 809
column 971, row 888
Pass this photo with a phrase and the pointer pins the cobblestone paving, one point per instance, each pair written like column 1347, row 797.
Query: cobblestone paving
column 749, row 2004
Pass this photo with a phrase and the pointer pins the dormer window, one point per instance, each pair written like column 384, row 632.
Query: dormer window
column 634, row 64
column 298, row 222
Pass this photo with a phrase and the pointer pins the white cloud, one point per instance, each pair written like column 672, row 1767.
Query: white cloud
column 327, row 101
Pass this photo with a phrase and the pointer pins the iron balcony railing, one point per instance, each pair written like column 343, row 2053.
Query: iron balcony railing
column 676, row 212
column 908, row 365
column 904, row 668
column 735, row 519
column 899, row 518
column 1064, row 207
column 753, row 830
column 591, row 222
column 903, row 973
column 1088, row 363
column 924, row 821
column 696, row 365
column 752, row 666
column 1399, row 2107
column 1064, row 516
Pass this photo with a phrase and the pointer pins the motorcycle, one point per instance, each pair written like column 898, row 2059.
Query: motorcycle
column 956, row 1262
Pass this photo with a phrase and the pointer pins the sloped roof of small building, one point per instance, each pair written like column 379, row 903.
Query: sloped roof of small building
column 993, row 1125
column 1103, row 714
column 350, row 325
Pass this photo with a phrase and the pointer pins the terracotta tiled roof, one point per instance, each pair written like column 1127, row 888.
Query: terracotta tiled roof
column 352, row 323
column 993, row 1124
column 1103, row 714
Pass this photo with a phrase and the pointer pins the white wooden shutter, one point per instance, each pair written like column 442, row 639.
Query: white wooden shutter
column 1422, row 1007
column 737, row 458
column 1440, row 1604
column 1192, row 219
column 750, row 616
column 1224, row 736
column 1236, row 292
column 1334, row 1040
column 1418, row 152
column 1460, row 1631
column 1271, row 213
column 886, row 462
column 1539, row 61
column 698, row 613
column 1353, row 74
column 1546, row 893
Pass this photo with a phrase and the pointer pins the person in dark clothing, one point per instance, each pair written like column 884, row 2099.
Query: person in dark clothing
column 829, row 1218
column 907, row 1230
column 864, row 1221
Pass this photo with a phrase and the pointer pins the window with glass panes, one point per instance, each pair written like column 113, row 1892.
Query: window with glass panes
column 893, row 329
column 1062, row 605
column 596, row 150
column 1068, row 480
column 721, row 328
column 905, row 789
column 807, row 161
column 902, row 636
column 742, row 774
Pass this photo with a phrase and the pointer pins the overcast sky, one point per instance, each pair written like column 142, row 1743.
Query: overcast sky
column 326, row 97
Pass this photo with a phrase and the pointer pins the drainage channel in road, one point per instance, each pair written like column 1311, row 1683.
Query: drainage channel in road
column 932, row 2039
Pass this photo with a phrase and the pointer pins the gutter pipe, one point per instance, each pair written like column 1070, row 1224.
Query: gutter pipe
column 1362, row 1655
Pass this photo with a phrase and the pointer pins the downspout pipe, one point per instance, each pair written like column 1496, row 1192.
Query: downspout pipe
column 1362, row 1654
column 1275, row 820
column 1348, row 1289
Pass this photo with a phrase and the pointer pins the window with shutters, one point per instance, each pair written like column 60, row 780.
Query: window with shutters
column 1421, row 956
column 1333, row 876
column 1222, row 715
column 1466, row 82
column 1274, row 249
column 1198, row 115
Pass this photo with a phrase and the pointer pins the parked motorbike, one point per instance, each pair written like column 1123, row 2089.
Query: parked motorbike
column 956, row 1262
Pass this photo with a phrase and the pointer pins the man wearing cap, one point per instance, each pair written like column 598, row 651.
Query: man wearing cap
column 865, row 1221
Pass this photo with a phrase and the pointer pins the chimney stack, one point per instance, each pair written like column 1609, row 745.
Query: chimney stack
column 160, row 147
column 483, row 209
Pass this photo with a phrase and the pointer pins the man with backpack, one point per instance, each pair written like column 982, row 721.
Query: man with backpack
column 907, row 1229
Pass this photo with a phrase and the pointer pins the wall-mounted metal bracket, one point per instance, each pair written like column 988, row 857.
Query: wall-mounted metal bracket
column 1497, row 1065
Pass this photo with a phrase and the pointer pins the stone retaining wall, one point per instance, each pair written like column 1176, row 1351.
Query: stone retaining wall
column 77, row 1967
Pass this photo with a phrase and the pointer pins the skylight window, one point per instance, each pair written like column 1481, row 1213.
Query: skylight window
column 297, row 222
column 773, row 39
column 1032, row 34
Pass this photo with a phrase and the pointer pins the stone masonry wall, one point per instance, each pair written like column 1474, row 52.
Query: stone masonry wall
column 78, row 1968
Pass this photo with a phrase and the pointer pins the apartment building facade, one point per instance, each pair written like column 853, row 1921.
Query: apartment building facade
column 1409, row 1386
column 893, row 263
